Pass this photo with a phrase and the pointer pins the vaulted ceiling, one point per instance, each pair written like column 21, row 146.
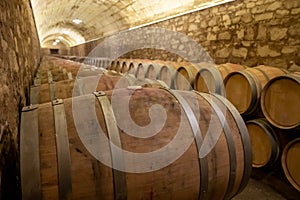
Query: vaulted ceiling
column 98, row 18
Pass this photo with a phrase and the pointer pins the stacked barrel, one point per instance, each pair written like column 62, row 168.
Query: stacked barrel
column 268, row 98
column 61, row 150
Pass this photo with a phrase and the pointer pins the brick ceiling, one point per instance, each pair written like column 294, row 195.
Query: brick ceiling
column 54, row 18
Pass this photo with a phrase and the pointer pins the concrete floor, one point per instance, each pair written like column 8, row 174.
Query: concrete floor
column 268, row 184
column 256, row 190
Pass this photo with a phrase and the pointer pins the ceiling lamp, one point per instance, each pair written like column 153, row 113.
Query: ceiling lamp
column 66, row 32
column 77, row 21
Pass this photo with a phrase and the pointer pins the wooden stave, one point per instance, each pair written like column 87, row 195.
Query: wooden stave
column 293, row 77
column 286, row 171
column 49, row 105
column 273, row 139
column 191, row 70
column 215, row 73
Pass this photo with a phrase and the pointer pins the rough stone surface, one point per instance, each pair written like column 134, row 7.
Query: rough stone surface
column 282, row 12
column 224, row 36
column 211, row 36
column 274, row 6
column 265, row 51
column 295, row 11
column 264, row 16
column 289, row 49
column 262, row 32
column 278, row 33
column 267, row 29
column 223, row 53
column 240, row 52
column 19, row 57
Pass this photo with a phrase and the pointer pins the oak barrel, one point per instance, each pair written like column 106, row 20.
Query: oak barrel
column 60, row 157
column 167, row 73
column 264, row 142
column 210, row 77
column 185, row 76
column 85, row 85
column 290, row 161
column 117, row 66
column 280, row 101
column 153, row 69
column 243, row 88
column 140, row 70
column 125, row 67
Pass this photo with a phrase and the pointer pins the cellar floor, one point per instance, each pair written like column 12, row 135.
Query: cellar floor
column 266, row 184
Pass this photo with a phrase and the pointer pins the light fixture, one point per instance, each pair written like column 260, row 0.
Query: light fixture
column 66, row 32
column 54, row 43
column 60, row 37
column 77, row 21
column 57, row 41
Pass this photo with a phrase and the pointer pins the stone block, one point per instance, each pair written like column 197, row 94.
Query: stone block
column 241, row 34
column 249, row 33
column 291, row 4
column 264, row 16
column 236, row 20
column 214, row 21
column 265, row 51
column 216, row 29
column 294, row 30
column 223, row 53
column 262, row 32
column 203, row 24
column 224, row 36
column 258, row 9
column 295, row 11
column 250, row 5
column 241, row 12
column 193, row 27
column 240, row 52
column 282, row 12
column 274, row 6
column 211, row 37
column 246, row 43
column 277, row 33
column 246, row 18
column 289, row 49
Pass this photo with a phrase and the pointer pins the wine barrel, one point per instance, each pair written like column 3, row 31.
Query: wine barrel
column 117, row 66
column 140, row 70
column 210, row 77
column 132, row 67
column 290, row 161
column 125, row 66
column 167, row 73
column 243, row 88
column 56, row 162
column 264, row 142
column 185, row 76
column 280, row 101
column 42, row 93
column 153, row 69
column 111, row 66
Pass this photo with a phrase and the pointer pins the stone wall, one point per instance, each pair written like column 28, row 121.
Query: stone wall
column 19, row 57
column 250, row 32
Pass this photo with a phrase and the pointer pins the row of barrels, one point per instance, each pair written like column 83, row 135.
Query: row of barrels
column 241, row 85
column 268, row 98
column 259, row 92
column 61, row 148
